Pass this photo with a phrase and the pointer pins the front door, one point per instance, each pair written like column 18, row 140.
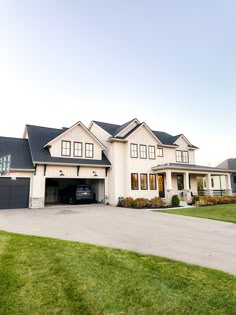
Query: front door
column 161, row 186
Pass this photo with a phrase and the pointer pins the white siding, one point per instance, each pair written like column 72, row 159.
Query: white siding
column 53, row 171
column 100, row 133
column 128, row 129
column 76, row 134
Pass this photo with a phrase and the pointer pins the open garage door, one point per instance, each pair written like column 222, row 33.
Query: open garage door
column 14, row 193
column 56, row 186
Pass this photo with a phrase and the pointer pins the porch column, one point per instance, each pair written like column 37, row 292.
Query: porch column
column 169, row 189
column 186, row 186
column 209, row 187
column 228, row 190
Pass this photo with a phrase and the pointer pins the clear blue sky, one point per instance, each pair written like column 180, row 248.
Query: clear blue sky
column 169, row 63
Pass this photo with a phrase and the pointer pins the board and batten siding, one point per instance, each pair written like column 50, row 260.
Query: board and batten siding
column 77, row 134
column 53, row 171
column 128, row 129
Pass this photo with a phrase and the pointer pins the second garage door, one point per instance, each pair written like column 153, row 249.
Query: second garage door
column 14, row 193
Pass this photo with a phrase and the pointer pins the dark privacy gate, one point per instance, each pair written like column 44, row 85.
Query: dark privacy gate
column 14, row 193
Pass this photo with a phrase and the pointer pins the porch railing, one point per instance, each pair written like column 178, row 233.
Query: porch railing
column 216, row 192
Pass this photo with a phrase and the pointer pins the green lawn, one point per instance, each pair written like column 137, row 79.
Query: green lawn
column 47, row 276
column 218, row 212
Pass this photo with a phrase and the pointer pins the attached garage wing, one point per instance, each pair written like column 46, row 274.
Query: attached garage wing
column 14, row 193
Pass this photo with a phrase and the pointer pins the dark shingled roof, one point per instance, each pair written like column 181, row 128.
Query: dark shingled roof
column 165, row 138
column 19, row 150
column 110, row 128
column 40, row 136
column 113, row 130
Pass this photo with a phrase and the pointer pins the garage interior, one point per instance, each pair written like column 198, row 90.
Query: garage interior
column 55, row 186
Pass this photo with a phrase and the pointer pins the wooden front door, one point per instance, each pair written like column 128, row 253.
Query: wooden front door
column 161, row 186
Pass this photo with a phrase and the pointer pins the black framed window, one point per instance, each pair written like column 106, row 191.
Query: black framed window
column 212, row 182
column 133, row 150
column 160, row 152
column 182, row 156
column 152, row 182
column 180, row 182
column 65, row 148
column 143, row 181
column 178, row 156
column 78, row 149
column 134, row 181
column 151, row 152
column 234, row 179
column 89, row 150
column 185, row 156
column 143, row 151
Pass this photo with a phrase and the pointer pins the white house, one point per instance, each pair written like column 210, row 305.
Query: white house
column 219, row 183
column 115, row 160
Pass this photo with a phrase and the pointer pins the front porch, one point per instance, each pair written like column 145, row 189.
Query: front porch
column 183, row 180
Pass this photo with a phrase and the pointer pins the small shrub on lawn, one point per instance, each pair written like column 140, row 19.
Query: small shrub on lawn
column 140, row 203
column 175, row 201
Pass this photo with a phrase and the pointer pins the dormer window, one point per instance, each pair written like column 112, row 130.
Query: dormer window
column 182, row 156
column 78, row 149
column 89, row 150
column 65, row 148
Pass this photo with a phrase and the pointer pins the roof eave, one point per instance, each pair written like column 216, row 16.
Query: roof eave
column 71, row 164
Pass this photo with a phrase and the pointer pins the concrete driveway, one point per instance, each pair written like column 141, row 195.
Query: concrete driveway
column 193, row 240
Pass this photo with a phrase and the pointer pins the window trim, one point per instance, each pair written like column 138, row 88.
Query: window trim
column 132, row 186
column 62, row 148
column 155, row 181
column 149, row 152
column 146, row 181
column 162, row 152
column 140, row 151
column 181, row 156
column 77, row 142
column 86, row 150
column 131, row 151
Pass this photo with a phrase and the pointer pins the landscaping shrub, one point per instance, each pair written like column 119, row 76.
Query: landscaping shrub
column 214, row 200
column 156, row 202
column 195, row 199
column 128, row 202
column 175, row 201
column 140, row 203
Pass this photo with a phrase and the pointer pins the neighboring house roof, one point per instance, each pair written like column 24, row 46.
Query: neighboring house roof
column 163, row 137
column 188, row 167
column 228, row 164
column 39, row 136
column 19, row 151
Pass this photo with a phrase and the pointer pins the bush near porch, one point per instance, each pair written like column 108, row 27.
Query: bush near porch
column 140, row 203
column 214, row 200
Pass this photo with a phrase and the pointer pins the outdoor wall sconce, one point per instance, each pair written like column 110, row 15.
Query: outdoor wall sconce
column 95, row 174
column 61, row 173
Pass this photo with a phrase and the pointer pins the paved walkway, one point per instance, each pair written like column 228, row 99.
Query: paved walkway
column 194, row 240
